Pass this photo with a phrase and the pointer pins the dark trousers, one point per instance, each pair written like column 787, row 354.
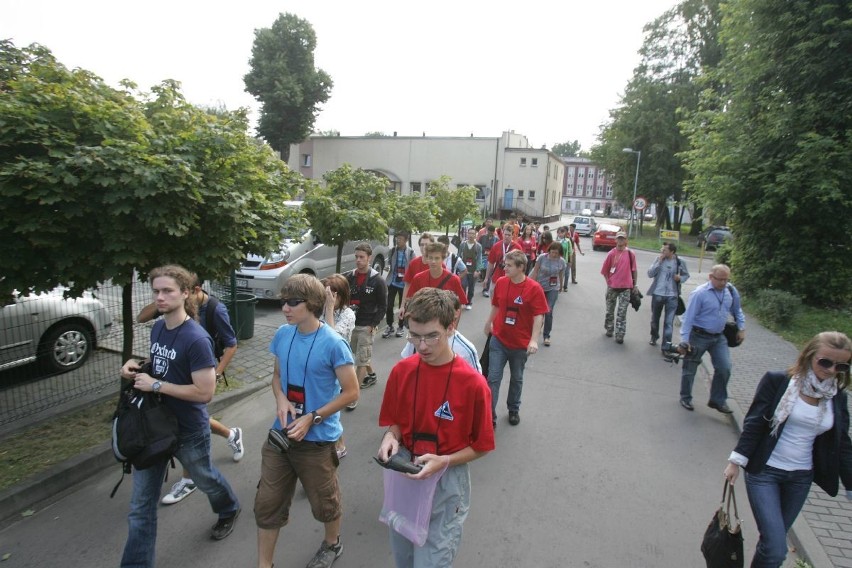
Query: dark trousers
column 393, row 293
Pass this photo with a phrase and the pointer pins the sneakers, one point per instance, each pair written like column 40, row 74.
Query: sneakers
column 652, row 342
column 224, row 526
column 486, row 294
column 180, row 491
column 352, row 405
column 468, row 306
column 326, row 555
column 547, row 342
column 341, row 453
column 400, row 331
column 369, row 381
column 387, row 332
column 236, row 443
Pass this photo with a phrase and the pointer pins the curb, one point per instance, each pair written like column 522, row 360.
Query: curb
column 65, row 475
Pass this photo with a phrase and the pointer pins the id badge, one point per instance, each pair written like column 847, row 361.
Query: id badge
column 509, row 320
column 400, row 274
column 612, row 270
column 296, row 396
column 554, row 280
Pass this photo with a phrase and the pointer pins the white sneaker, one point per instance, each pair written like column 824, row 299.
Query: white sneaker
column 180, row 491
column 468, row 307
column 237, row 443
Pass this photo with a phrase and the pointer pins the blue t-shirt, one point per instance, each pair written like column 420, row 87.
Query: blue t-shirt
column 308, row 362
column 175, row 354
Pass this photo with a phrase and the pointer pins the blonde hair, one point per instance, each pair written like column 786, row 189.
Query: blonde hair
column 829, row 339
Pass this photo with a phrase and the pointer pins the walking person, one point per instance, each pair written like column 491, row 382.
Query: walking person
column 399, row 259
column 805, row 441
column 184, row 368
column 498, row 253
column 470, row 252
column 567, row 254
column 549, row 272
column 619, row 271
column 575, row 248
column 669, row 273
column 529, row 244
column 313, row 378
column 517, row 312
column 487, row 241
column 415, row 267
column 437, row 276
column 701, row 330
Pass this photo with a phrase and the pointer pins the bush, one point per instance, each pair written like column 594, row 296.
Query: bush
column 723, row 253
column 776, row 306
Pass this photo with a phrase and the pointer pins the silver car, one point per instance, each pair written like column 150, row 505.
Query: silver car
column 586, row 226
column 59, row 333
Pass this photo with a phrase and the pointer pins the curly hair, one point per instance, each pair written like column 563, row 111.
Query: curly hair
column 184, row 279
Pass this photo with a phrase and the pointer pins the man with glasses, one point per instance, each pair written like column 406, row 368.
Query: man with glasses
column 368, row 296
column 668, row 272
column 701, row 331
column 437, row 411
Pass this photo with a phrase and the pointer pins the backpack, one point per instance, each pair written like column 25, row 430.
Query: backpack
column 210, row 326
column 144, row 431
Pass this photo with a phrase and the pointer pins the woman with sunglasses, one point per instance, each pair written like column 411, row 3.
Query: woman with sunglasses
column 796, row 432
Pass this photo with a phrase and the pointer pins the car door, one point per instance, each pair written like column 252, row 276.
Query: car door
column 17, row 332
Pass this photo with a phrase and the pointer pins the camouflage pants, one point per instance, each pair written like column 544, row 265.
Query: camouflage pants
column 622, row 297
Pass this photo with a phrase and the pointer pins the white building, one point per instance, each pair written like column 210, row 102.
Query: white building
column 510, row 175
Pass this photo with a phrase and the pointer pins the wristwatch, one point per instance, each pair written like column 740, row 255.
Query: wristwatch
column 317, row 418
column 155, row 386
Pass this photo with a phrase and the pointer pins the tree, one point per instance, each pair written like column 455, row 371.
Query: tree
column 567, row 149
column 375, row 134
column 453, row 204
column 353, row 205
column 327, row 133
column 285, row 82
column 412, row 213
column 771, row 147
column 97, row 183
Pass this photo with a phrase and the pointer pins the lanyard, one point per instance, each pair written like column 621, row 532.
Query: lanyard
column 414, row 404
column 307, row 358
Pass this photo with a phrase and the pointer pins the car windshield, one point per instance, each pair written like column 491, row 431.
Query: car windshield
column 610, row 228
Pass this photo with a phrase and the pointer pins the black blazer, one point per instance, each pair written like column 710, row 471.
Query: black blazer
column 832, row 454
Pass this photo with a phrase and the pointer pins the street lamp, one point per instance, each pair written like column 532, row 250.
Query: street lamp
column 635, row 184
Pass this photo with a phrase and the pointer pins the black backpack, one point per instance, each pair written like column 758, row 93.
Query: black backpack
column 210, row 326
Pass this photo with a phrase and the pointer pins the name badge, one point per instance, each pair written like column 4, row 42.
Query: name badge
column 469, row 262
column 296, row 396
column 509, row 320
column 612, row 270
column 554, row 280
column 400, row 273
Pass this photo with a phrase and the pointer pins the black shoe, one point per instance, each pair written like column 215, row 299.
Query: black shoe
column 224, row 526
column 723, row 408
column 609, row 334
column 652, row 342
column 369, row 381
column 687, row 405
column 514, row 418
column 619, row 339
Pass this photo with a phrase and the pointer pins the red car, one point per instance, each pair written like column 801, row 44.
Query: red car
column 604, row 237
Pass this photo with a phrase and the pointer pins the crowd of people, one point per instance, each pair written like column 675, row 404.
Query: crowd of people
column 439, row 405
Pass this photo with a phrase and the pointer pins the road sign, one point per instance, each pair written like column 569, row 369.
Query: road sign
column 640, row 204
column 670, row 235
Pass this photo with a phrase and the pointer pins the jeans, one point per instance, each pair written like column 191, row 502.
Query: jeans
column 469, row 284
column 719, row 356
column 194, row 453
column 394, row 292
column 552, row 296
column 657, row 305
column 498, row 356
column 776, row 497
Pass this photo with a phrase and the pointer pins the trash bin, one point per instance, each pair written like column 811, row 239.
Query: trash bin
column 241, row 313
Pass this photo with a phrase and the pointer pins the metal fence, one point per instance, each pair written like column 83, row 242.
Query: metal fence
column 57, row 352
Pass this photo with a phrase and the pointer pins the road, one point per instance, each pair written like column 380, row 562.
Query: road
column 605, row 470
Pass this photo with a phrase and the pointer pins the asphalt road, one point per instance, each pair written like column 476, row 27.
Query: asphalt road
column 605, row 469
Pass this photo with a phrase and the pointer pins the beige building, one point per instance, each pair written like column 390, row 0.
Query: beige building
column 510, row 175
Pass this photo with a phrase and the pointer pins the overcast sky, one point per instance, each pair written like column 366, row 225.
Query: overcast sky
column 550, row 70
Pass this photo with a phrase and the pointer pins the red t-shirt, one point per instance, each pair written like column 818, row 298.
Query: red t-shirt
column 517, row 304
column 529, row 246
column 498, row 251
column 453, row 405
column 415, row 267
column 425, row 280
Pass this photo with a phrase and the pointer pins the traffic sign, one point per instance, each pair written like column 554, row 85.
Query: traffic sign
column 640, row 204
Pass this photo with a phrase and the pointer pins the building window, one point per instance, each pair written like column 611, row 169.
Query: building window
column 415, row 187
column 571, row 171
column 480, row 192
column 306, row 160
column 581, row 173
column 534, row 162
column 523, row 162
column 592, row 173
column 520, row 194
column 599, row 192
column 609, row 192
column 531, row 194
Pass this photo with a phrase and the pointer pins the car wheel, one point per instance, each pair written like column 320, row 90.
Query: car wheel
column 65, row 346
column 379, row 265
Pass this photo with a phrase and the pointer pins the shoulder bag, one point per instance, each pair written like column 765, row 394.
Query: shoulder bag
column 722, row 546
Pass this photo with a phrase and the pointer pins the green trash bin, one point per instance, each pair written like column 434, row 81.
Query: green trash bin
column 241, row 313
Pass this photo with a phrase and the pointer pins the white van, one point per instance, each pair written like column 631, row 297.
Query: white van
column 264, row 276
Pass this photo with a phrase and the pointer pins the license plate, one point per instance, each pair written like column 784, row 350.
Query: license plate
column 242, row 283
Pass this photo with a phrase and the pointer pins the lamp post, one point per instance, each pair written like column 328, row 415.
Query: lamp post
column 635, row 184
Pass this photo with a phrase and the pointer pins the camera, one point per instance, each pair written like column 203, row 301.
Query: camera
column 671, row 353
column 279, row 440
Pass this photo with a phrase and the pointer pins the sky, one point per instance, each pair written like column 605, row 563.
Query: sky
column 550, row 70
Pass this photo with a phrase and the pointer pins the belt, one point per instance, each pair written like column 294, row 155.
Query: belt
column 703, row 331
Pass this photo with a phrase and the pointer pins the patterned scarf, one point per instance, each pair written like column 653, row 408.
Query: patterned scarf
column 808, row 385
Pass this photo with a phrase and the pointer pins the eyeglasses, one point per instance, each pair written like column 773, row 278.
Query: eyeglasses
column 714, row 277
column 828, row 364
column 429, row 340
column 292, row 302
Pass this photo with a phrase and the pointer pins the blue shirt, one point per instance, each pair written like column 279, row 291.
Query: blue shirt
column 663, row 274
column 708, row 309
column 308, row 361
column 221, row 321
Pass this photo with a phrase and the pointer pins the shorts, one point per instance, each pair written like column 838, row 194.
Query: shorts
column 315, row 465
column 362, row 345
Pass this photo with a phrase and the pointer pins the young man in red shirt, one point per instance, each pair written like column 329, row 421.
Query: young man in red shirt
column 437, row 276
column 497, row 254
column 518, row 306
column 415, row 267
column 436, row 408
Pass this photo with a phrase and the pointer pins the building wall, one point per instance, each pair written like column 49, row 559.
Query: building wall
column 586, row 186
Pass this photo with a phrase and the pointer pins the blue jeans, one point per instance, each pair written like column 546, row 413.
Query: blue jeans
column 552, row 296
column 719, row 356
column 194, row 453
column 469, row 283
column 498, row 356
column 657, row 305
column 776, row 497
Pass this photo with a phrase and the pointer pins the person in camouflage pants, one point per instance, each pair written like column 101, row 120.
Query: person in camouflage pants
column 619, row 271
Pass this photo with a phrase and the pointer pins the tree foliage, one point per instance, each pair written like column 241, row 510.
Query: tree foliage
column 412, row 213
column 772, row 150
column 285, row 82
column 453, row 205
column 567, row 149
column 353, row 205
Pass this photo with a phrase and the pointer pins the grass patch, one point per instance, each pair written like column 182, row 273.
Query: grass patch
column 59, row 440
column 808, row 322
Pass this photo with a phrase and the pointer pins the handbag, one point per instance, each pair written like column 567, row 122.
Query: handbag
column 722, row 546
column 731, row 330
column 681, row 306
column 483, row 359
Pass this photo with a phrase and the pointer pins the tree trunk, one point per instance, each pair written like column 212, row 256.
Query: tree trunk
column 127, row 320
column 339, row 257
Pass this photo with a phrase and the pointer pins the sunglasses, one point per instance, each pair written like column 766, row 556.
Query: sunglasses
column 828, row 364
column 292, row 302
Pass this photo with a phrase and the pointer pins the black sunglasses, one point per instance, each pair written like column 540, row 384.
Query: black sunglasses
column 292, row 302
column 828, row 364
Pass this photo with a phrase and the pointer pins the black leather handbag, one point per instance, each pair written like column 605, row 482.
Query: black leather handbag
column 722, row 546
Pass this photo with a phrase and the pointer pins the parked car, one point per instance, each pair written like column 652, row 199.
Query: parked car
column 586, row 225
column 60, row 333
column 586, row 212
column 604, row 238
column 714, row 236
column 598, row 213
column 649, row 216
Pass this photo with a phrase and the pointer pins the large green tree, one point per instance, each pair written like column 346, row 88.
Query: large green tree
column 772, row 147
column 567, row 149
column 413, row 213
column 285, row 81
column 453, row 205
